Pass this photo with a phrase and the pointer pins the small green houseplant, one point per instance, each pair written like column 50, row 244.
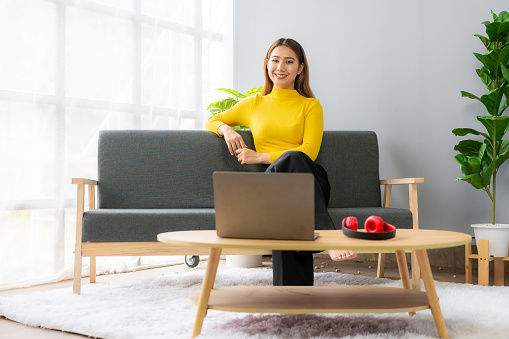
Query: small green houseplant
column 480, row 159
column 235, row 96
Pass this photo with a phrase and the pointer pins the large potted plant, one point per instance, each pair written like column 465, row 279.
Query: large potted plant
column 480, row 159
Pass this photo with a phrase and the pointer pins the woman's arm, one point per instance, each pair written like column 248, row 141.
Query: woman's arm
column 221, row 125
column 247, row 156
column 233, row 139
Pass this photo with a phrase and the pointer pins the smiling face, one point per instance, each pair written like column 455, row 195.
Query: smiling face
column 283, row 66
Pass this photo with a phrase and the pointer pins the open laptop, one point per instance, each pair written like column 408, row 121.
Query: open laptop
column 254, row 205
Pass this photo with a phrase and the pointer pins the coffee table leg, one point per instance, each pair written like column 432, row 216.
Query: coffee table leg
column 429, row 285
column 206, row 288
column 403, row 272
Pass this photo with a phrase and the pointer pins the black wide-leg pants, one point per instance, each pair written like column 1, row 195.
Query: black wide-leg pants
column 295, row 268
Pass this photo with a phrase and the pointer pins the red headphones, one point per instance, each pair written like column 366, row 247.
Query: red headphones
column 376, row 228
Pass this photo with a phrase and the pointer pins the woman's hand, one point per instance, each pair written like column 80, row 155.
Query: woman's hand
column 247, row 156
column 233, row 139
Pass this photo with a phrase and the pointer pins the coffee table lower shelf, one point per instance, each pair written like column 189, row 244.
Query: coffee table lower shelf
column 315, row 299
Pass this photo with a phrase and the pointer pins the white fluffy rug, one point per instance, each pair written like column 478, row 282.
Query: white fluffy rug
column 160, row 308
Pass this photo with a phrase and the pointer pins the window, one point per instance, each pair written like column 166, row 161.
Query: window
column 72, row 68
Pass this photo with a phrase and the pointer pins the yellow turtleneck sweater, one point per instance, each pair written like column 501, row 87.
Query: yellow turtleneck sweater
column 280, row 121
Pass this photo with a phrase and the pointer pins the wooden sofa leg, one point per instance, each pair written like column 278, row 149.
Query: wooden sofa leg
column 80, row 208
column 93, row 271
column 484, row 262
column 380, row 272
column 468, row 263
column 76, row 289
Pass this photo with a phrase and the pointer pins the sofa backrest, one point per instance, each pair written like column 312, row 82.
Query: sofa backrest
column 162, row 169
column 173, row 169
column 351, row 161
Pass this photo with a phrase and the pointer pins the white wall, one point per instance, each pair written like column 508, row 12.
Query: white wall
column 395, row 67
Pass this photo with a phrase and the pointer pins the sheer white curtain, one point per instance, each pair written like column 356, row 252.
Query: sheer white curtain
column 69, row 69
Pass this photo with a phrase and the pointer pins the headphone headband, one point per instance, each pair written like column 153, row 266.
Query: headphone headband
column 376, row 228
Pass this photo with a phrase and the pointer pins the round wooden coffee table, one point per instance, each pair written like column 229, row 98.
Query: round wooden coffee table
column 322, row 299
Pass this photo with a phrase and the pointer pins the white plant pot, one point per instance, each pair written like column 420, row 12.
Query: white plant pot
column 233, row 261
column 498, row 236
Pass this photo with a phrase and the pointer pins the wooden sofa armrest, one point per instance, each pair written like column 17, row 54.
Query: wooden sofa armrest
column 84, row 181
column 412, row 195
column 402, row 181
column 413, row 207
column 81, row 182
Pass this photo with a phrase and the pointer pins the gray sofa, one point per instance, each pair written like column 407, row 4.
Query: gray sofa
column 151, row 182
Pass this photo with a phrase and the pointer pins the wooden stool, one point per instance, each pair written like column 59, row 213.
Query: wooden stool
column 483, row 269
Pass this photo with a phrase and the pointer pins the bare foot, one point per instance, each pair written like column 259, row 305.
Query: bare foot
column 342, row 255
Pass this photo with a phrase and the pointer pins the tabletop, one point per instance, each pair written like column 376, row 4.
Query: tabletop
column 405, row 239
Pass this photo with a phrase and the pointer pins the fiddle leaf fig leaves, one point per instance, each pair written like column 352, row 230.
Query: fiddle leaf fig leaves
column 480, row 159
column 460, row 132
column 486, row 78
column 486, row 42
column 496, row 127
column 498, row 30
column 468, row 147
column 494, row 58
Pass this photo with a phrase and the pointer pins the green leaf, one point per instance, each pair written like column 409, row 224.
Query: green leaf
column 232, row 92
column 240, row 128
column 494, row 58
column 469, row 95
column 253, row 91
column 460, row 158
column 473, row 179
column 486, row 78
column 221, row 105
column 479, row 57
column 506, row 92
column 460, row 132
column 487, row 173
column 470, row 169
column 502, row 157
column 496, row 127
column 486, row 42
column 468, row 147
column 495, row 16
column 503, row 16
column 470, row 174
column 505, row 104
column 505, row 71
column 491, row 100
column 497, row 30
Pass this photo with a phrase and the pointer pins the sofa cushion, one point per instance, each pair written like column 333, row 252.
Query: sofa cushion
column 142, row 225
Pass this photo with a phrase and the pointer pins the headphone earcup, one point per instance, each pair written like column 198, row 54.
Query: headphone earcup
column 351, row 223
column 374, row 224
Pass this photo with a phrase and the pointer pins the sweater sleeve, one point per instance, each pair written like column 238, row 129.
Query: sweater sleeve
column 313, row 133
column 238, row 115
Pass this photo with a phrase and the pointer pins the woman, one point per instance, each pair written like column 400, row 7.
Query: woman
column 287, row 125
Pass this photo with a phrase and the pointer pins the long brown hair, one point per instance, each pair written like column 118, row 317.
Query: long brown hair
column 302, row 80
